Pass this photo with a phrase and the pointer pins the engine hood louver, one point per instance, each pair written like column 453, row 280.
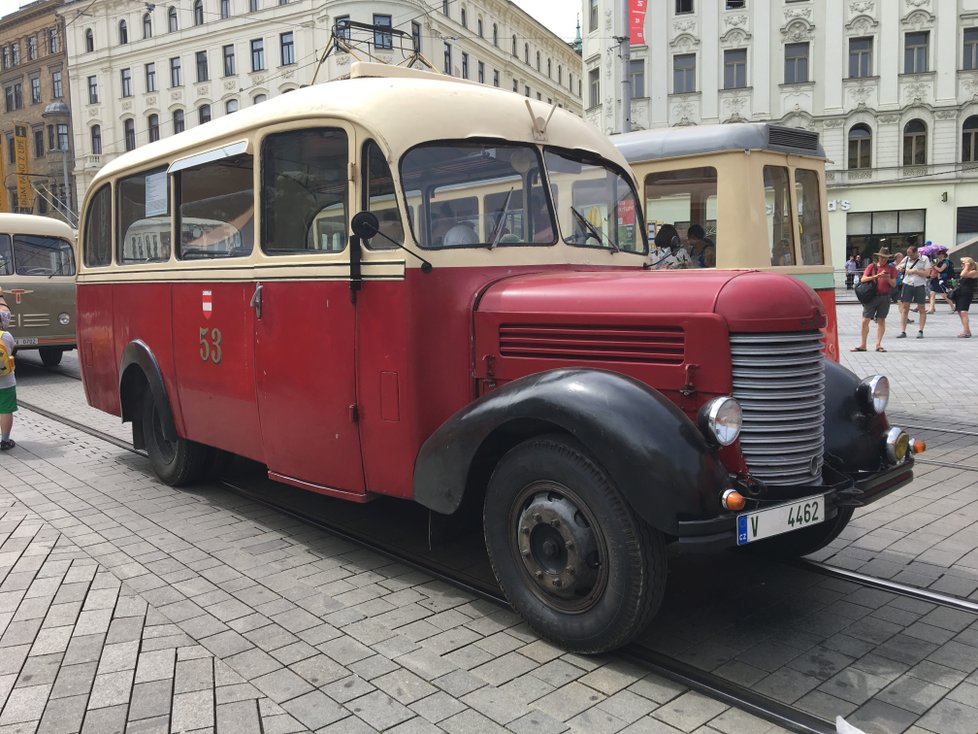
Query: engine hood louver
column 581, row 343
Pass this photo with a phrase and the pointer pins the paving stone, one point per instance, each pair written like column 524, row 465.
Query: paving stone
column 39, row 670
column 568, row 701
column 194, row 675
column 155, row 665
column 315, row 709
column 347, row 689
column 537, row 722
column 192, row 710
column 241, row 716
column 912, row 694
column 111, row 689
column 281, row 685
column 150, row 700
column 63, row 715
column 25, row 704
column 73, row 680
column 379, row 710
column 105, row 721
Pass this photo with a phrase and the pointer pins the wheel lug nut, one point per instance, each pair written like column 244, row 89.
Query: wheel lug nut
column 571, row 570
column 525, row 531
column 537, row 517
column 555, row 523
column 539, row 574
column 558, row 583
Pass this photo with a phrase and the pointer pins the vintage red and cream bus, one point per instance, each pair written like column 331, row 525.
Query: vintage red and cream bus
column 757, row 191
column 406, row 285
column 37, row 275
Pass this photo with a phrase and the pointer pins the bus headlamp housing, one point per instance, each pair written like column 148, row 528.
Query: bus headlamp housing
column 897, row 445
column 64, row 319
column 721, row 420
column 874, row 393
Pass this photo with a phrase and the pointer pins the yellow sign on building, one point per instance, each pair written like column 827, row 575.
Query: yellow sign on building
column 25, row 199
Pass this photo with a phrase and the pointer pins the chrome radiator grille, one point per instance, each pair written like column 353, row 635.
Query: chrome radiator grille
column 779, row 381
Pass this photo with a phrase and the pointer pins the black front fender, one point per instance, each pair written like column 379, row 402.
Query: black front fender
column 855, row 439
column 654, row 454
column 138, row 369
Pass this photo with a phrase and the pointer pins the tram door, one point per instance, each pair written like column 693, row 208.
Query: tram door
column 304, row 320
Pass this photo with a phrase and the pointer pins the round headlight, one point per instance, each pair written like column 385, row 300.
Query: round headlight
column 897, row 445
column 721, row 419
column 874, row 393
column 64, row 319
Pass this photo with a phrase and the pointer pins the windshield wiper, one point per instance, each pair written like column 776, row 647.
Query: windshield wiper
column 497, row 232
column 594, row 231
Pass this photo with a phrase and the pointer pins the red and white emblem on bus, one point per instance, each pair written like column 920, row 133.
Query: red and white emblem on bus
column 17, row 293
column 207, row 304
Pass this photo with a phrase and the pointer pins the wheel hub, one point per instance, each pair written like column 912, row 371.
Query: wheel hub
column 557, row 546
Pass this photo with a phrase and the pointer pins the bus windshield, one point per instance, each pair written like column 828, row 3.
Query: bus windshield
column 36, row 255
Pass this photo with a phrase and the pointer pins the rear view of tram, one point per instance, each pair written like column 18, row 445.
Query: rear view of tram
column 757, row 190
column 37, row 274
column 406, row 285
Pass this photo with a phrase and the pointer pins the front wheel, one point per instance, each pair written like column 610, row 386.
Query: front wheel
column 568, row 552
column 51, row 356
column 176, row 462
column 807, row 540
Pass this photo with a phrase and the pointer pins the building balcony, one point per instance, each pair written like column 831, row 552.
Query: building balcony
column 904, row 175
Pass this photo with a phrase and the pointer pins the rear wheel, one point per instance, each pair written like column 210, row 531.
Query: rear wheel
column 807, row 540
column 176, row 462
column 51, row 356
column 568, row 552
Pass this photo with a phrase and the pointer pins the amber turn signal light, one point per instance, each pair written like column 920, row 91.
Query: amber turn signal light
column 918, row 446
column 733, row 500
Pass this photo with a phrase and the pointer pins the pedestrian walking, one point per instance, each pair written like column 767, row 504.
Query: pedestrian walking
column 964, row 293
column 916, row 271
column 852, row 267
column 885, row 275
column 8, row 383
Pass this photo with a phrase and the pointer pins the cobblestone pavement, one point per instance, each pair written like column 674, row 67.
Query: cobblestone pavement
column 126, row 605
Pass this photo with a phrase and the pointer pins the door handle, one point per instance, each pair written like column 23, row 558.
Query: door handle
column 256, row 300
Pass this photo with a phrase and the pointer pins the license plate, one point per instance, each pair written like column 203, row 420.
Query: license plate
column 25, row 341
column 762, row 524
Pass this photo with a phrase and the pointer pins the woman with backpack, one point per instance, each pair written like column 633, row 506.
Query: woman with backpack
column 8, row 383
column 941, row 274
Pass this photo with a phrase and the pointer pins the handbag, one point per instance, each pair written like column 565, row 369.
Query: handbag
column 866, row 291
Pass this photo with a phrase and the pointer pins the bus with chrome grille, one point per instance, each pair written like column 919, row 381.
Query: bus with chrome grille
column 37, row 275
column 435, row 290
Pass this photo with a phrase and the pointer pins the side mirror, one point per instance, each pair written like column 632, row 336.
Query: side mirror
column 365, row 225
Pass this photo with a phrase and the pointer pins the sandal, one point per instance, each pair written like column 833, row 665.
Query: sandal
column 7, row 445
column 858, row 349
column 964, row 336
column 880, row 349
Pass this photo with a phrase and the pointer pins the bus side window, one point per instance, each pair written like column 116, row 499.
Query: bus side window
column 144, row 207
column 6, row 261
column 809, row 217
column 777, row 205
column 98, row 229
column 216, row 209
column 305, row 191
column 687, row 198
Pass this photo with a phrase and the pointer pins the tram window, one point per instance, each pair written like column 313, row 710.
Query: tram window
column 216, row 209
column 6, row 260
column 777, row 205
column 144, row 208
column 304, row 191
column 809, row 217
column 473, row 194
column 98, row 229
column 40, row 255
column 686, row 197
column 381, row 199
column 601, row 209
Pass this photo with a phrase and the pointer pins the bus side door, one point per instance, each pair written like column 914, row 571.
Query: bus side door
column 304, row 320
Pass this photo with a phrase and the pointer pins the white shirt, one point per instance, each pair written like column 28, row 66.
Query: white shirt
column 921, row 263
column 663, row 258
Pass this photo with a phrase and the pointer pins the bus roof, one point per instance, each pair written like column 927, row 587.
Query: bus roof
column 402, row 107
column 35, row 225
column 674, row 142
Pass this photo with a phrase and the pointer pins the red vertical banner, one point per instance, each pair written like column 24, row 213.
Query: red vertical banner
column 636, row 21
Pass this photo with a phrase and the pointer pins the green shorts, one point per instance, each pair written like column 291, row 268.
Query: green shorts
column 8, row 400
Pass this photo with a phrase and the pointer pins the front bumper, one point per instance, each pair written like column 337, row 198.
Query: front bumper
column 718, row 533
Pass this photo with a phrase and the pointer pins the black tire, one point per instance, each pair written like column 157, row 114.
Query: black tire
column 51, row 356
column 808, row 540
column 572, row 558
column 176, row 463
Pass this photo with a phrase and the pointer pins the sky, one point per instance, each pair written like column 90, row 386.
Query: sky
column 560, row 16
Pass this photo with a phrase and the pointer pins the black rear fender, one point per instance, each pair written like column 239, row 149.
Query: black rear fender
column 139, row 372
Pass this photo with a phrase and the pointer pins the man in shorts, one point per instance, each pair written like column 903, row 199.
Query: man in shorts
column 8, row 389
column 916, row 273
column 876, row 310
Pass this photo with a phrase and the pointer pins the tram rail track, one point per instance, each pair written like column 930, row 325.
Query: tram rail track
column 667, row 666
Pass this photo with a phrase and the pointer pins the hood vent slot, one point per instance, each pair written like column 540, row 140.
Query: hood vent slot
column 573, row 343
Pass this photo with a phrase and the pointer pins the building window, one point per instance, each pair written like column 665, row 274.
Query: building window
column 39, row 143
column 53, row 44
column 56, row 90
column 225, row 9
column 129, row 127
column 478, row 24
column 151, row 77
column 516, row 85
column 198, row 12
column 736, row 4
column 448, row 58
column 526, row 54
column 860, row 57
column 444, row 6
column 481, row 71
column 32, row 48
column 154, row 128
column 93, row 90
column 550, row 69
column 253, row 6
column 594, row 87
column 560, row 73
column 123, row 33
column 495, row 78
column 592, row 15
column 16, row 51
column 416, row 36
column 382, row 39
column 735, row 68
column 257, row 54
column 915, row 143
column 204, row 114
column 636, row 77
column 231, row 106
column 171, row 20
column 35, row 90
column 15, row 96
column 526, row 91
column 288, row 48
column 970, row 49
column 915, row 52
column 860, row 144
column 795, row 63
column 259, row 98
column 6, row 57
column 538, row 61
column 62, row 136
column 178, row 122
column 126, row 77
column 465, row 65
column 229, row 60
column 969, row 140
column 97, row 139
column 684, row 6
column 495, row 35
column 202, row 75
column 175, row 78
column 683, row 73
column 147, row 26
column 514, row 47
column 465, row 22
column 89, row 41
